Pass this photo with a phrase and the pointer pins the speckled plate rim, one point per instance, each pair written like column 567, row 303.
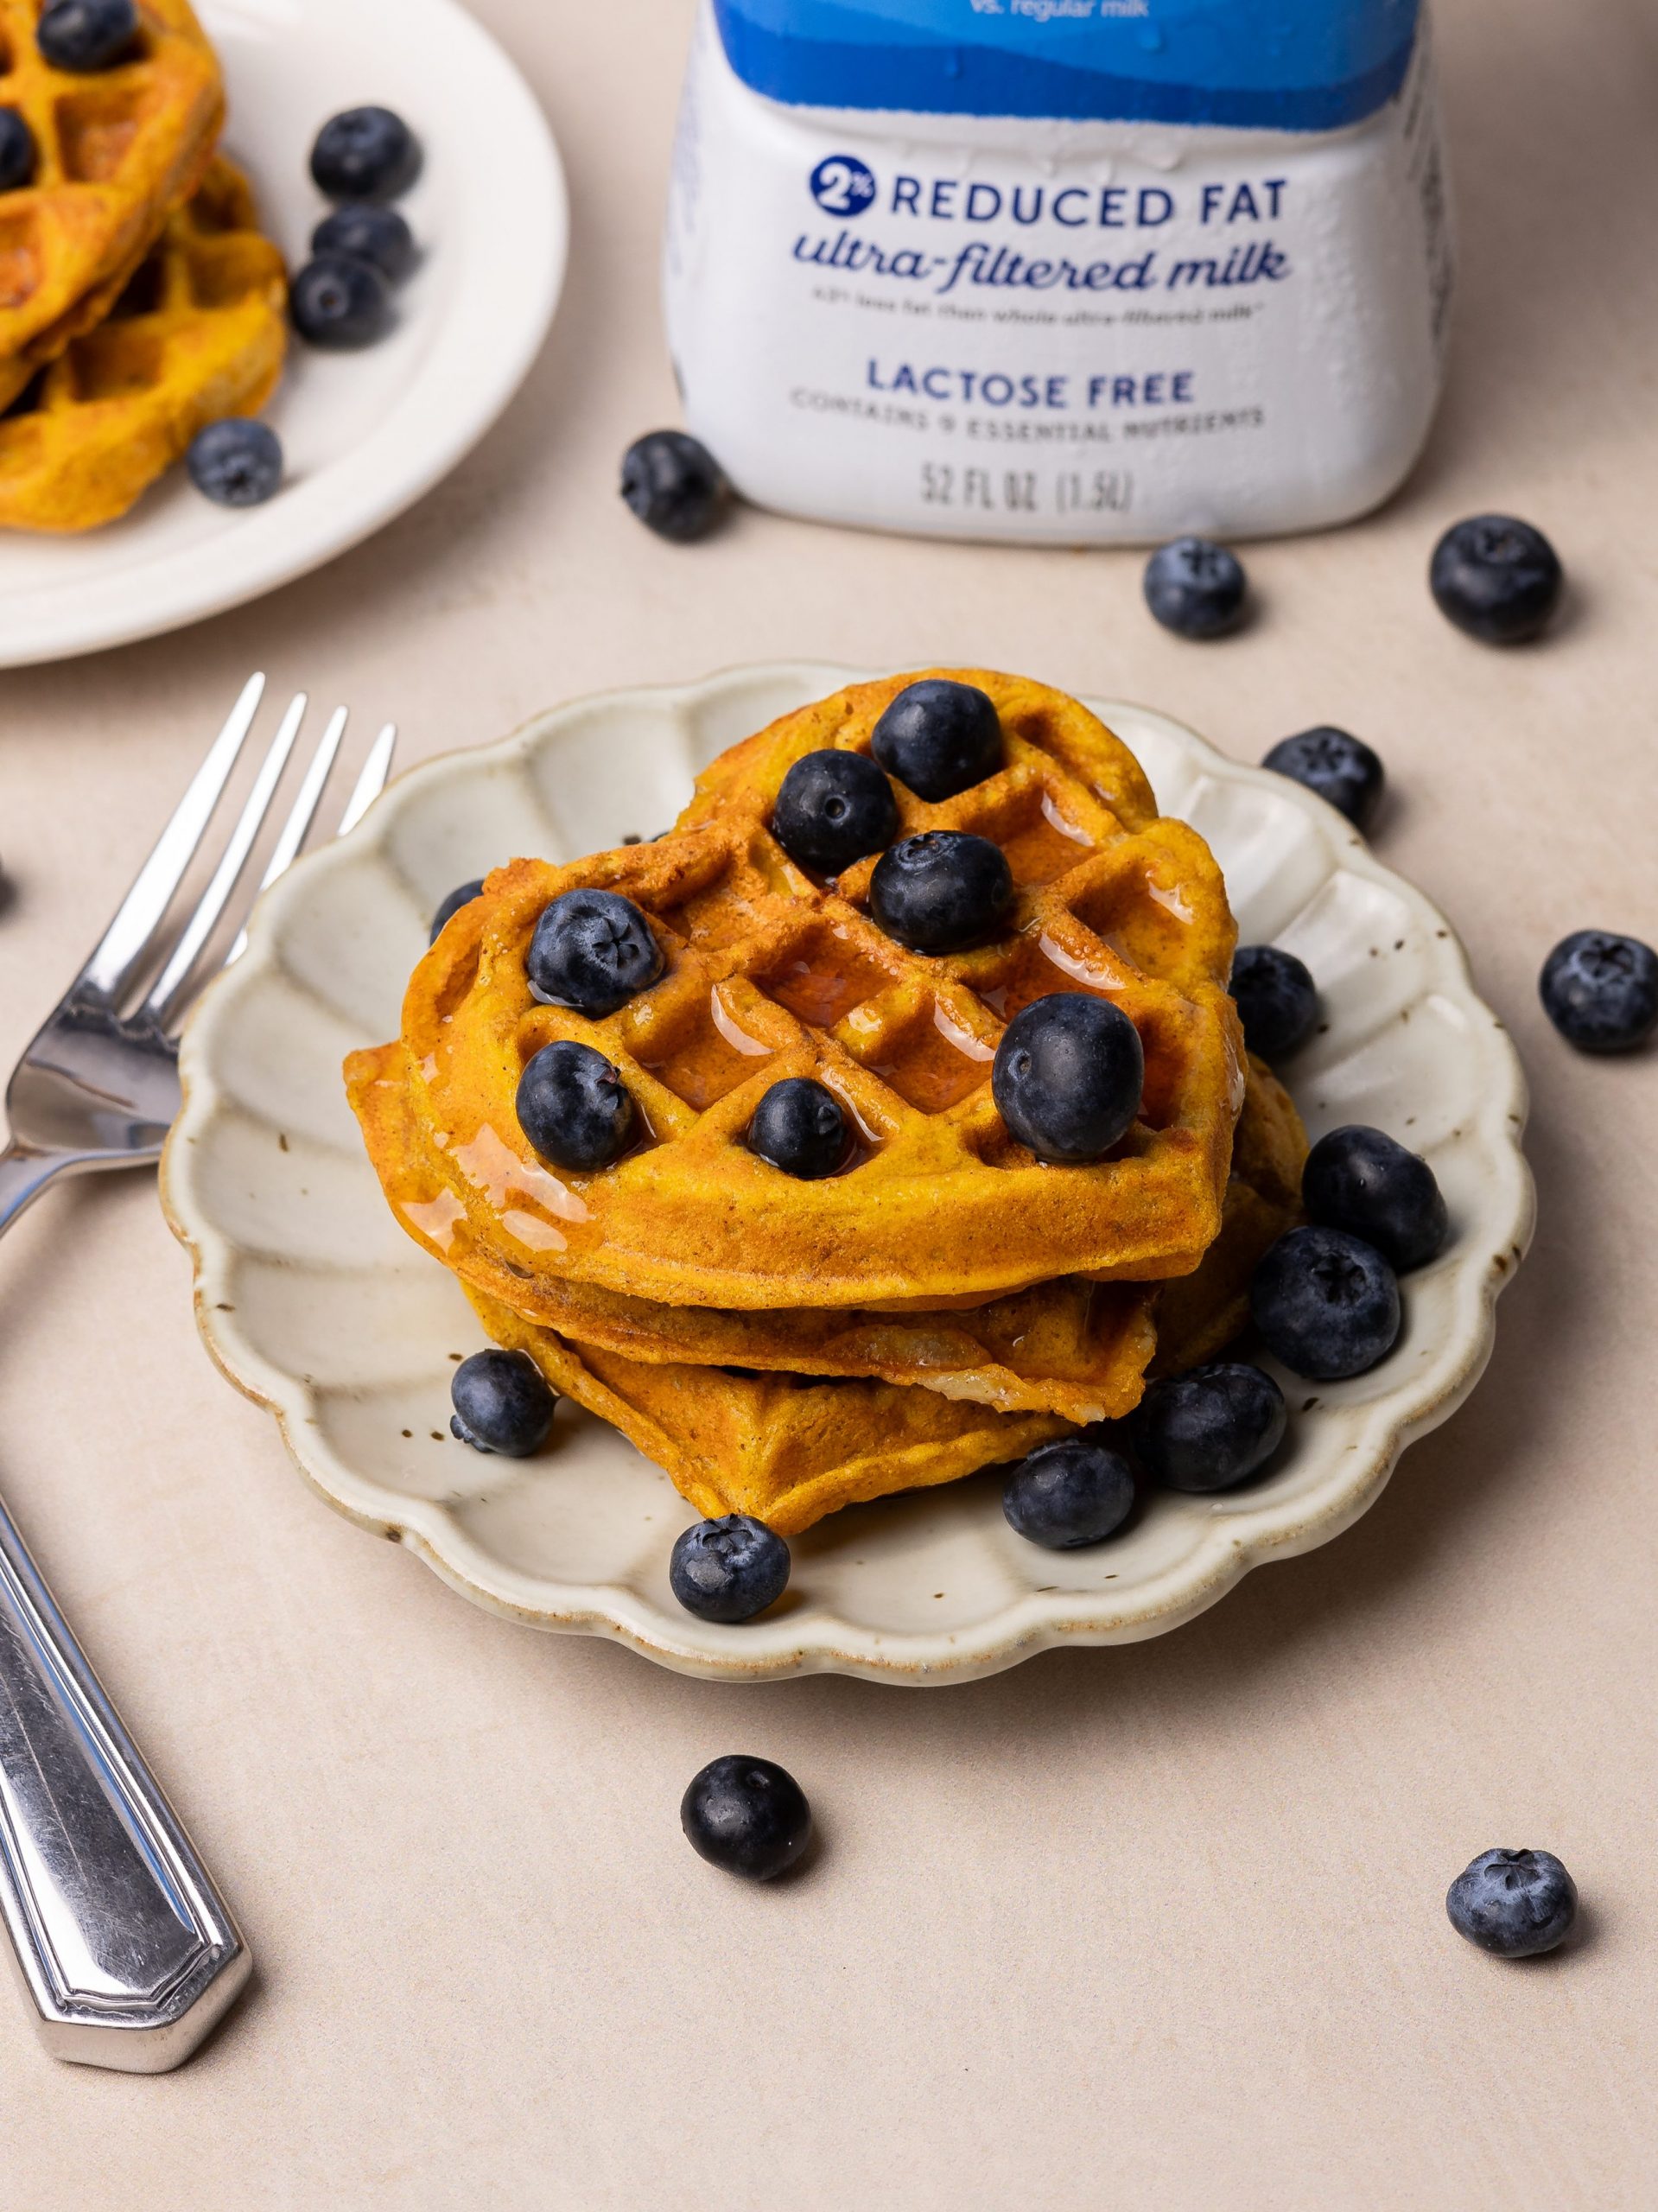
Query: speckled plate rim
column 1245, row 1533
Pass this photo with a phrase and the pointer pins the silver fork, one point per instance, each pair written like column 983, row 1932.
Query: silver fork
column 128, row 1952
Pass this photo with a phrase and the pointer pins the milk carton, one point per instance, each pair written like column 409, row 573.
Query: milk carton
column 1063, row 271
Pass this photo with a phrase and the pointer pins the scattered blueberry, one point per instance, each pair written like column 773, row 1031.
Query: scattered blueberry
column 1513, row 1902
column 1496, row 578
column 237, row 463
column 1276, row 1000
column 939, row 737
column 1326, row 1303
column 1600, row 990
column 574, row 1107
column 503, row 1402
column 462, row 895
column 337, row 301
column 1339, row 766
column 83, row 35
column 800, row 1127
column 1068, row 1494
column 365, row 232
column 747, row 1817
column 729, row 1569
column 16, row 151
column 832, row 809
column 940, row 891
column 1195, row 587
column 1210, row 1428
column 592, row 950
column 366, row 153
column 1367, row 1183
column 1067, row 1076
column 675, row 486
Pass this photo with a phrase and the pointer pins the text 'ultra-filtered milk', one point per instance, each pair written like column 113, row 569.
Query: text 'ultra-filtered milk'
column 1065, row 270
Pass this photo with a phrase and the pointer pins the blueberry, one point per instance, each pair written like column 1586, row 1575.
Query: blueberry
column 503, row 1402
column 365, row 232
column 1210, row 1428
column 729, row 1569
column 1367, row 1183
column 1513, row 1902
column 339, row 302
column 1326, row 1303
column 1276, row 1000
column 83, row 35
column 800, row 1127
column 1068, row 1494
column 940, row 891
column 16, row 151
column 1195, row 587
column 462, row 895
column 1067, row 1076
column 592, row 950
column 939, row 737
column 574, row 1107
column 675, row 486
column 236, row 463
column 747, row 1817
column 1600, row 990
column 834, row 808
column 366, row 153
column 1339, row 766
column 1496, row 578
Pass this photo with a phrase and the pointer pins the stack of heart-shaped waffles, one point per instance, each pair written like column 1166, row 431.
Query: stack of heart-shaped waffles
column 945, row 1300
column 138, row 300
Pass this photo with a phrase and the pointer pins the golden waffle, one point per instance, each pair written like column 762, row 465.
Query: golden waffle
column 1198, row 1316
column 771, row 974
column 789, row 1448
column 1070, row 1347
column 115, row 150
column 199, row 333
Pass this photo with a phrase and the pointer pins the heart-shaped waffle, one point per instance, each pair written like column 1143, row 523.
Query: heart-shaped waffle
column 114, row 152
column 789, row 1447
column 1070, row 1347
column 770, row 974
column 199, row 333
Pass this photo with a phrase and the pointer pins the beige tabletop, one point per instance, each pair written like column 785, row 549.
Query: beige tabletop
column 1158, row 1927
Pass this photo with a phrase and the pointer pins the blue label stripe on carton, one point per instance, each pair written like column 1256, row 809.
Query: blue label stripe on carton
column 1281, row 65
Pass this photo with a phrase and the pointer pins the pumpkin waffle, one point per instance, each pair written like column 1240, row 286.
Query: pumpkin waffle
column 199, row 333
column 787, row 1448
column 769, row 973
column 114, row 153
column 1071, row 1347
column 791, row 1448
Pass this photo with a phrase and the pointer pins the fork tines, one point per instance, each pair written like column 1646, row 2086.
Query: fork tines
column 140, row 936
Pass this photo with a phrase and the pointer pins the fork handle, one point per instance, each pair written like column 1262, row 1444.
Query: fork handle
column 127, row 1952
column 25, row 1172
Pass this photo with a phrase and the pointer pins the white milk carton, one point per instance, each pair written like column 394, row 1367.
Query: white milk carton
column 1071, row 270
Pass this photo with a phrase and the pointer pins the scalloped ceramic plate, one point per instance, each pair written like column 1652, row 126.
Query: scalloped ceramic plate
column 313, row 1302
column 366, row 433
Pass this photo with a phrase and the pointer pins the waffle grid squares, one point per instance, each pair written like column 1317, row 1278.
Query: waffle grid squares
column 197, row 333
column 770, row 973
column 114, row 153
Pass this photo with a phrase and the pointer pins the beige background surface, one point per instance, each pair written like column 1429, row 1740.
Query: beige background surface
column 1160, row 1927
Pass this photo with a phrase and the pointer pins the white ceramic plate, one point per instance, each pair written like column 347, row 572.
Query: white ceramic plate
column 314, row 1302
column 364, row 433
